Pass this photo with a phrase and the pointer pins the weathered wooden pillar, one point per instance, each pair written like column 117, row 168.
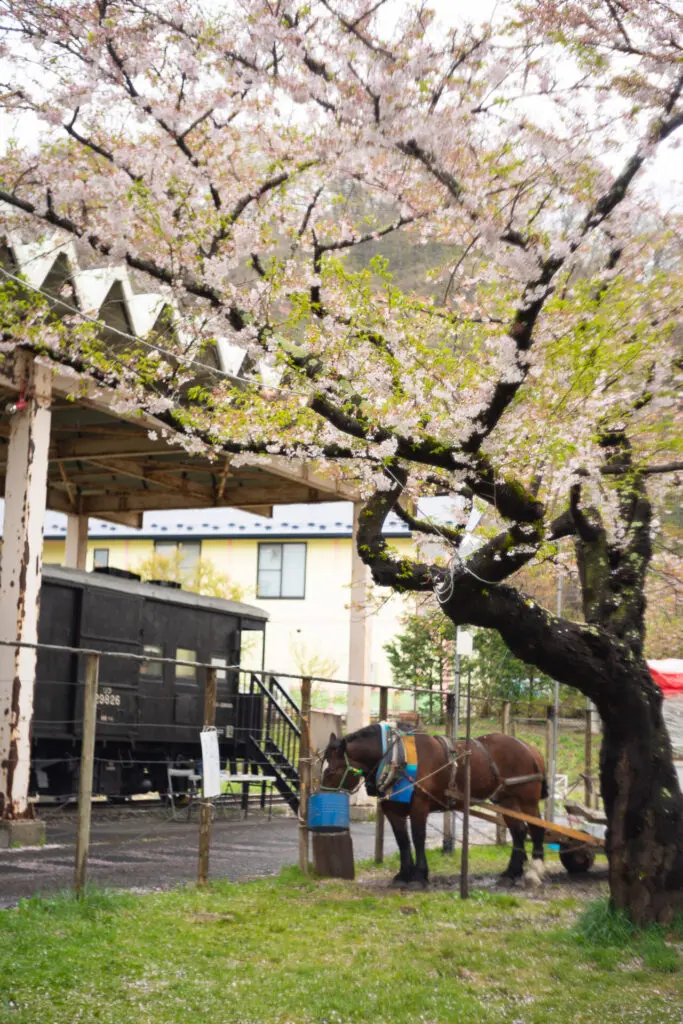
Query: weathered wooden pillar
column 360, row 636
column 360, row 639
column 22, row 543
column 76, row 550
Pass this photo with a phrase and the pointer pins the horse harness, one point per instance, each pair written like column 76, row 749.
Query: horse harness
column 392, row 769
column 397, row 768
column 453, row 792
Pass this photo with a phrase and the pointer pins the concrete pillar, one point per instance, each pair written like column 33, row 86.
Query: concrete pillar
column 25, row 501
column 360, row 636
column 76, row 550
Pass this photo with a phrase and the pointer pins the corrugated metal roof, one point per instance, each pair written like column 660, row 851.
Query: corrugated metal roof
column 329, row 519
column 116, row 584
column 306, row 521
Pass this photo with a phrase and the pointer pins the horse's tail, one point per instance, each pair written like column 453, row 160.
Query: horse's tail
column 544, row 788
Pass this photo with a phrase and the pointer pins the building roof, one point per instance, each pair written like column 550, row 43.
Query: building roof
column 108, row 457
column 288, row 521
column 154, row 592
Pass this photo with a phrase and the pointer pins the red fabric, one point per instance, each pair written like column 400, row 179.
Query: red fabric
column 670, row 683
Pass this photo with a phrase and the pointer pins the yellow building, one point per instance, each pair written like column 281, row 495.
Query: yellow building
column 296, row 566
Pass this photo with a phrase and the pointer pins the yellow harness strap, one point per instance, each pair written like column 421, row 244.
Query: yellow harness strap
column 410, row 749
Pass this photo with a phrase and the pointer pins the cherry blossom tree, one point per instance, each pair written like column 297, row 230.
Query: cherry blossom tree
column 446, row 252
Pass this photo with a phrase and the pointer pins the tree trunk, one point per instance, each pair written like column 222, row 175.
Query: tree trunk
column 640, row 788
column 602, row 658
column 643, row 804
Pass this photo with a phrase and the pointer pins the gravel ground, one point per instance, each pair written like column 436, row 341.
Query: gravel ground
column 557, row 884
column 148, row 851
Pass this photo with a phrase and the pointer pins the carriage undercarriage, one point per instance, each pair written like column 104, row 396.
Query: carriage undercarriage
column 577, row 847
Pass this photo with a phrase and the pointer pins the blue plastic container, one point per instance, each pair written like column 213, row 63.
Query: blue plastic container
column 328, row 812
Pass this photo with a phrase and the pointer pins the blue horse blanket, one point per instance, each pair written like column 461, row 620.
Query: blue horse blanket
column 399, row 756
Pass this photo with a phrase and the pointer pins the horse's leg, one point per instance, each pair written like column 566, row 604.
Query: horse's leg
column 399, row 824
column 517, row 829
column 537, row 833
column 538, row 851
column 418, row 828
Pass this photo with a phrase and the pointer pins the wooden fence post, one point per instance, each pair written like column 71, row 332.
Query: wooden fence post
column 304, row 772
column 550, row 760
column 465, row 845
column 379, row 819
column 92, row 672
column 448, row 841
column 588, row 756
column 505, row 728
column 205, row 807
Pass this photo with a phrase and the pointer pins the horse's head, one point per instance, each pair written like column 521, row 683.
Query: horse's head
column 338, row 772
column 348, row 761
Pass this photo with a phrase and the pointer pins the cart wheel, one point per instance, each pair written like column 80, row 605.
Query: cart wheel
column 577, row 862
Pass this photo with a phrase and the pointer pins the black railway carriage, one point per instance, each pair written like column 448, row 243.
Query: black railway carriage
column 149, row 712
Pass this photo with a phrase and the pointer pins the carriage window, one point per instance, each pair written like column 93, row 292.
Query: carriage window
column 100, row 558
column 185, row 671
column 186, row 552
column 151, row 668
column 281, row 570
column 221, row 665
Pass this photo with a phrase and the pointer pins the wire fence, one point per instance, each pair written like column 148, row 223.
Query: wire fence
column 108, row 727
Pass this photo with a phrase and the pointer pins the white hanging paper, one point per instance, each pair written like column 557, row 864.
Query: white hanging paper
column 463, row 643
column 211, row 763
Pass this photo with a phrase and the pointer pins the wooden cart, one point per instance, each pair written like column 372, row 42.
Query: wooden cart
column 577, row 846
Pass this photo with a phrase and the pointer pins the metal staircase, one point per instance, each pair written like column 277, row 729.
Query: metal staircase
column 272, row 738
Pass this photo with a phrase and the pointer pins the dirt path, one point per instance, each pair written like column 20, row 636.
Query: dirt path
column 557, row 884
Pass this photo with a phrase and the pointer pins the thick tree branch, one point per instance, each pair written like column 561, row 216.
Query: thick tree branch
column 399, row 573
column 433, row 530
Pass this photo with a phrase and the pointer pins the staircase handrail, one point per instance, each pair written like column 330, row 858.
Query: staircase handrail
column 287, row 696
column 292, row 724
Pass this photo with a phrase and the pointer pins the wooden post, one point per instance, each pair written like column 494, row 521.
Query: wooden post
column 205, row 807
column 588, row 757
column 465, row 845
column 379, row 820
column 304, row 772
column 76, row 547
column 92, row 671
column 448, row 841
column 507, row 717
column 550, row 760
column 505, row 728
column 360, row 636
column 25, row 493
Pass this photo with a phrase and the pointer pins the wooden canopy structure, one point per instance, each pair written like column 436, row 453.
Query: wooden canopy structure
column 71, row 445
column 115, row 466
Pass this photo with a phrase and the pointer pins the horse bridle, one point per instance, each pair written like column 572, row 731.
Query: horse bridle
column 348, row 770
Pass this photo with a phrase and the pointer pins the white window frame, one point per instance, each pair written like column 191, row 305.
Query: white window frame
column 280, row 570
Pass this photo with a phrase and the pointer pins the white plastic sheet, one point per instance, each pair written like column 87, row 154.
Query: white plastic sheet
column 211, row 763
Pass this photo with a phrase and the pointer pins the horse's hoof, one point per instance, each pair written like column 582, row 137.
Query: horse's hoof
column 532, row 878
column 539, row 864
column 397, row 882
column 418, row 883
column 507, row 881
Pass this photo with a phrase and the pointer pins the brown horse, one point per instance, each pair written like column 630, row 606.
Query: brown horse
column 496, row 762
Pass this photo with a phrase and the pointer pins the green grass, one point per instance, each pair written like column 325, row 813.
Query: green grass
column 295, row 950
column 606, row 933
